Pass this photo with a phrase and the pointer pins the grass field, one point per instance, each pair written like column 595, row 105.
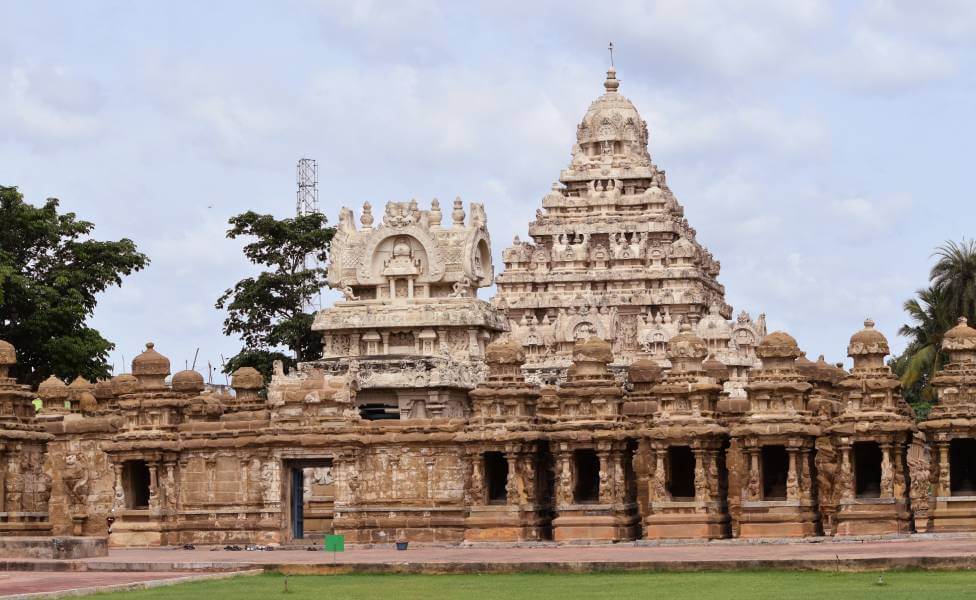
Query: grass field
column 779, row 585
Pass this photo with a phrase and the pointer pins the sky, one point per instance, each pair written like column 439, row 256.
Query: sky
column 822, row 150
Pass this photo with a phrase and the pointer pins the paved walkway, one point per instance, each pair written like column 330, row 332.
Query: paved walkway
column 135, row 565
column 13, row 583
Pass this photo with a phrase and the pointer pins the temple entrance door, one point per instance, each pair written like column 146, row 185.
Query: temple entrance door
column 297, row 503
column 310, row 498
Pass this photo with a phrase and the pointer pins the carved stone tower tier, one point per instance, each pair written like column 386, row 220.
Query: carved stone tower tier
column 411, row 329
column 611, row 255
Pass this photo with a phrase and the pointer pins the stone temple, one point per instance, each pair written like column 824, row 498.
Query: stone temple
column 604, row 394
column 612, row 256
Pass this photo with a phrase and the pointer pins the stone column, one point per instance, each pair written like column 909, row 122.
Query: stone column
column 354, row 344
column 701, row 478
column 511, row 481
column 564, row 479
column 118, row 503
column 4, row 457
column 887, row 477
column 945, row 484
column 473, row 342
column 392, row 288
column 153, row 486
column 410, row 288
column 792, row 479
column 606, row 483
column 659, row 484
column 845, row 479
column 386, row 342
column 754, row 487
column 619, row 477
column 478, row 479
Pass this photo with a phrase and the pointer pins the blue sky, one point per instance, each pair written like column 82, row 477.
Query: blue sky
column 820, row 149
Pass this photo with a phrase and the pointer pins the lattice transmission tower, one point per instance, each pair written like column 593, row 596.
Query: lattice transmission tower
column 307, row 174
column 307, row 203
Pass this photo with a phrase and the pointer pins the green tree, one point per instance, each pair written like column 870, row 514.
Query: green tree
column 50, row 274
column 270, row 312
column 934, row 311
column 954, row 275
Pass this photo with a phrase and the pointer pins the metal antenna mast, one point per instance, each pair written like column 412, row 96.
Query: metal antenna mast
column 308, row 187
column 307, row 175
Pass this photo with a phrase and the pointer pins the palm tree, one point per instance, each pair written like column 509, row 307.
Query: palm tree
column 923, row 357
column 954, row 275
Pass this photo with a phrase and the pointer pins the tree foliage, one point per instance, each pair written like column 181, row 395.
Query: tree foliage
column 51, row 272
column 270, row 312
column 935, row 310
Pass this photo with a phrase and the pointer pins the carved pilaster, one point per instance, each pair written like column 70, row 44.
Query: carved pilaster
column 887, row 476
column 659, row 487
column 701, row 480
column 945, row 485
column 606, row 482
column 792, row 480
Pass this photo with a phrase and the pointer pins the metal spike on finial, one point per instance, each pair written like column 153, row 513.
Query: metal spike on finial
column 610, row 48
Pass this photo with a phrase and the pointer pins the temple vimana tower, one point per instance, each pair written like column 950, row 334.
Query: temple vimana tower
column 611, row 255
column 604, row 394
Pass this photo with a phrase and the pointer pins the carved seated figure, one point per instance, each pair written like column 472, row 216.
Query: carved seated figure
column 401, row 263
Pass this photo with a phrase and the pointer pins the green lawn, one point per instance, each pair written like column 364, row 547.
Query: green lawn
column 778, row 585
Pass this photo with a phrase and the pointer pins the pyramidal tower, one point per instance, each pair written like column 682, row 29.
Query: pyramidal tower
column 611, row 255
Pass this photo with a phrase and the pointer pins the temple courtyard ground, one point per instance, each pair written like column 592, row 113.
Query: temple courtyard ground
column 755, row 585
column 917, row 567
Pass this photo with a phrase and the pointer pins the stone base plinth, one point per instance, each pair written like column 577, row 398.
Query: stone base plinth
column 953, row 514
column 686, row 520
column 778, row 519
column 382, row 525
column 597, row 522
column 875, row 516
column 69, row 547
column 502, row 524
column 35, row 524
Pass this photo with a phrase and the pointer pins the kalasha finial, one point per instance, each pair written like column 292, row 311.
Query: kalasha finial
column 963, row 321
column 611, row 84
column 869, row 323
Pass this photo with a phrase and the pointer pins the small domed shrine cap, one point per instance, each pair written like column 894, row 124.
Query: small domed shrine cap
column 715, row 368
column 81, row 384
column 505, row 351
column 8, row 355
column 686, row 345
column 593, row 349
column 124, row 383
column 150, row 363
column 246, row 378
column 868, row 341
column 778, row 344
column 187, row 381
column 104, row 389
column 52, row 388
column 960, row 337
column 644, row 370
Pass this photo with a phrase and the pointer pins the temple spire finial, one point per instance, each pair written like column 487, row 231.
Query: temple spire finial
column 611, row 84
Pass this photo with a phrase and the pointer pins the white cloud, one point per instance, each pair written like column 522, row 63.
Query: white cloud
column 45, row 106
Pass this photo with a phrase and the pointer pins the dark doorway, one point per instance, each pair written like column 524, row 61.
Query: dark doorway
column 775, row 467
column 496, row 475
column 587, row 465
column 681, row 473
column 547, row 489
column 867, row 470
column 297, row 503
column 135, row 480
column 962, row 467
